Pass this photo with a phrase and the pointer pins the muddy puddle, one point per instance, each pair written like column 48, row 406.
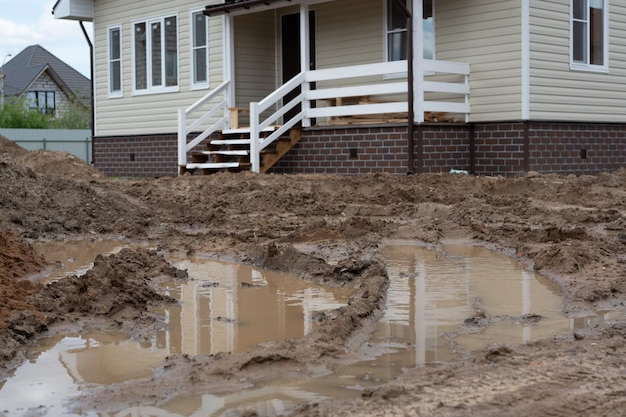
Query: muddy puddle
column 441, row 305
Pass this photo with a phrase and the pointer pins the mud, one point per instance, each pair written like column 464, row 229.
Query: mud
column 330, row 229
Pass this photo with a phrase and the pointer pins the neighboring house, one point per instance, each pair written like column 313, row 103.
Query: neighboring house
column 495, row 87
column 44, row 82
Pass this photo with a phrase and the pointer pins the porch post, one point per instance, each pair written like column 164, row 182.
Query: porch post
column 305, row 57
column 418, row 60
column 229, row 64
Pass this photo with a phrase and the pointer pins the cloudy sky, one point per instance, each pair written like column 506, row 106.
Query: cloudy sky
column 30, row 22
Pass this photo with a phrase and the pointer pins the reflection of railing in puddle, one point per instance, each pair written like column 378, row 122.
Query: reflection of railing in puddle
column 234, row 308
column 433, row 292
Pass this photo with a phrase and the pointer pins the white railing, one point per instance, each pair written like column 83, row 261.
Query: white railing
column 257, row 143
column 445, row 83
column 220, row 110
column 459, row 89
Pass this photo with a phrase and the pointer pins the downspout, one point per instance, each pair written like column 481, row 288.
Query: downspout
column 411, row 111
column 91, row 74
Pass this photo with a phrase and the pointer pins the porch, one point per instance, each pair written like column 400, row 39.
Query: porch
column 213, row 135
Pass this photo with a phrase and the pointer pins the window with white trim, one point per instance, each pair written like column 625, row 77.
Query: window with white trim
column 589, row 34
column 155, row 43
column 199, row 49
column 396, row 31
column 115, row 61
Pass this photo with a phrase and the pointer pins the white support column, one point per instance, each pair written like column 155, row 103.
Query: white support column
column 418, row 59
column 255, row 154
column 305, row 58
column 229, row 64
column 182, row 138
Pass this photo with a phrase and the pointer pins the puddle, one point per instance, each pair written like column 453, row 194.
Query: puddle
column 224, row 307
column 433, row 293
column 74, row 257
column 235, row 308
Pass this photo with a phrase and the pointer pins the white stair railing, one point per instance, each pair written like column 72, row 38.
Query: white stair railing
column 219, row 110
column 257, row 144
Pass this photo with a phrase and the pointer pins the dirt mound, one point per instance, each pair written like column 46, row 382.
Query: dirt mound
column 36, row 205
column 63, row 164
column 47, row 162
column 17, row 260
column 10, row 148
column 117, row 282
column 116, row 293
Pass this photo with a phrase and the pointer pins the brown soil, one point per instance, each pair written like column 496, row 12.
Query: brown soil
column 329, row 229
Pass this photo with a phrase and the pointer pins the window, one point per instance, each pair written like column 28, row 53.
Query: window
column 156, row 55
column 115, row 61
column 42, row 101
column 397, row 32
column 589, row 36
column 199, row 49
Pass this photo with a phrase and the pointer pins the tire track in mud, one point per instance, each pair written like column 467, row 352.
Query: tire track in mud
column 518, row 383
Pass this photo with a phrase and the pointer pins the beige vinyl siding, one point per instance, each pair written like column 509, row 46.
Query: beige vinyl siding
column 340, row 43
column 255, row 57
column 487, row 35
column 150, row 113
column 558, row 93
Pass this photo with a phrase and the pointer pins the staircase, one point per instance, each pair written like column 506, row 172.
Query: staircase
column 230, row 151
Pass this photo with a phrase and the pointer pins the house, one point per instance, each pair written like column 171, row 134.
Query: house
column 44, row 82
column 496, row 87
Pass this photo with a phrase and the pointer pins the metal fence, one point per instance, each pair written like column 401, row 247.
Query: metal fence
column 75, row 141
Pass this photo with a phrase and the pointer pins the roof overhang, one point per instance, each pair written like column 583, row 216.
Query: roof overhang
column 74, row 10
column 250, row 6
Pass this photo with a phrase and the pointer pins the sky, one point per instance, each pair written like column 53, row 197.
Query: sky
column 30, row 22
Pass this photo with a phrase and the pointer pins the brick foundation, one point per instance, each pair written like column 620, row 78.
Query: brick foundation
column 136, row 156
column 503, row 148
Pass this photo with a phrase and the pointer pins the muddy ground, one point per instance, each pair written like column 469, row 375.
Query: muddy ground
column 329, row 229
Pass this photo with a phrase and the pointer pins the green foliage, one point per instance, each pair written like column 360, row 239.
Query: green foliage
column 76, row 117
column 17, row 115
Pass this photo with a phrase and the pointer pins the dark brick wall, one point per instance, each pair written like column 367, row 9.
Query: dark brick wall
column 508, row 149
column 378, row 149
column 576, row 148
column 348, row 150
column 499, row 149
column 443, row 147
column 136, row 156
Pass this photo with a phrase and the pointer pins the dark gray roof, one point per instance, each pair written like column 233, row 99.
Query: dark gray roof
column 27, row 66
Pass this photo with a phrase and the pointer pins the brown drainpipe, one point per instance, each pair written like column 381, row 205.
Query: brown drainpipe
column 91, row 73
column 411, row 116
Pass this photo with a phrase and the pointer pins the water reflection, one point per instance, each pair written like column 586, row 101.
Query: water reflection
column 234, row 308
column 433, row 292
column 224, row 307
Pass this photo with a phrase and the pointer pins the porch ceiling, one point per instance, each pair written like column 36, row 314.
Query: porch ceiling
column 218, row 9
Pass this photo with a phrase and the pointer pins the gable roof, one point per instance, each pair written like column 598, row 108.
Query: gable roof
column 27, row 66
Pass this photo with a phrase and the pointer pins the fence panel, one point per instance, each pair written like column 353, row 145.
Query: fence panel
column 75, row 141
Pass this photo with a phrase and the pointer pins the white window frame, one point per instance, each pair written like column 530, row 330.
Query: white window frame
column 197, row 85
column 585, row 65
column 150, row 88
column 114, row 93
column 387, row 31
